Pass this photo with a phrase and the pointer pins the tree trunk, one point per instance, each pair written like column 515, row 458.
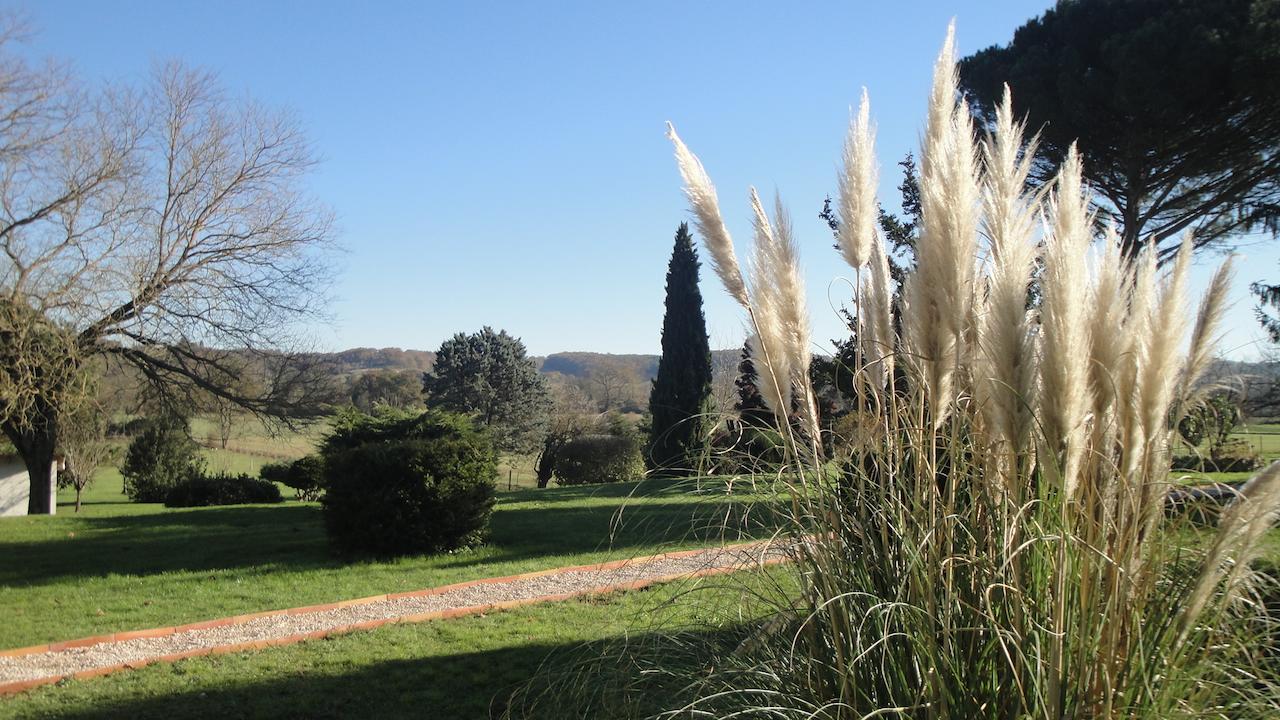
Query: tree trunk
column 79, row 489
column 547, row 461
column 36, row 443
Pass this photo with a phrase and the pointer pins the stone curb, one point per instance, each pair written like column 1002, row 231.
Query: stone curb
column 22, row 685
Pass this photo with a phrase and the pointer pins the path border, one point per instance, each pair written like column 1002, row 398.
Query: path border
column 467, row 610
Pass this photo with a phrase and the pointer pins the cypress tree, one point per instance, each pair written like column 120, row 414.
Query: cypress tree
column 681, row 394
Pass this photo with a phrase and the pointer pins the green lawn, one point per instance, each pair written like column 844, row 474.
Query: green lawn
column 1262, row 437
column 250, row 437
column 121, row 566
column 461, row 668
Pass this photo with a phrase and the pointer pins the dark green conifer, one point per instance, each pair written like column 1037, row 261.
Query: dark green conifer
column 680, row 398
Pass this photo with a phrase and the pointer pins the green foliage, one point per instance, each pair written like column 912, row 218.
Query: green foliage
column 1172, row 105
column 305, row 475
column 681, row 394
column 221, row 489
column 158, row 459
column 746, row 448
column 590, row 459
column 487, row 375
column 397, row 484
column 1213, row 420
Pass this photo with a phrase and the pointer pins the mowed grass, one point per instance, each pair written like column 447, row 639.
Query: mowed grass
column 250, row 437
column 460, row 668
column 1264, row 438
column 121, row 566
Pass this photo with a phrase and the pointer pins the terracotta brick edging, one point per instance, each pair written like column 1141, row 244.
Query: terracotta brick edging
column 21, row 685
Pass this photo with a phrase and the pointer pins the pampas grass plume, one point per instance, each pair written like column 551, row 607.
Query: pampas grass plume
column 859, row 211
column 706, row 213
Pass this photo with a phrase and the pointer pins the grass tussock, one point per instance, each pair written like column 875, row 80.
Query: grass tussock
column 997, row 544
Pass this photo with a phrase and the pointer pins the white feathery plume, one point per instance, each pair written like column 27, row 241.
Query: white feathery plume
column 875, row 319
column 1137, row 323
column 939, row 296
column 1108, row 298
column 1166, row 328
column 794, row 313
column 706, row 213
column 772, row 333
column 1238, row 542
column 1207, row 330
column 1156, row 382
column 859, row 211
column 788, row 282
column 1064, row 370
column 1005, row 386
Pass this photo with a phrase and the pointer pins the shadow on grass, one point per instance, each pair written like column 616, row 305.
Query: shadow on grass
column 292, row 537
column 544, row 679
column 201, row 539
column 464, row 685
column 653, row 487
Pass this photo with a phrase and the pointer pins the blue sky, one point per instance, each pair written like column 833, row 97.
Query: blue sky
column 504, row 163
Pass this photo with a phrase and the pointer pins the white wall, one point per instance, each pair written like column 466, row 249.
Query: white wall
column 14, row 486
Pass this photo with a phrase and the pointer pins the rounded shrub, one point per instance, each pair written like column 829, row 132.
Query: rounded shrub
column 408, row 486
column 599, row 459
column 221, row 489
column 305, row 475
column 275, row 471
column 158, row 459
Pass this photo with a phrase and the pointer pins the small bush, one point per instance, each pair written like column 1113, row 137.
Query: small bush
column 400, row 485
column 599, row 459
column 305, row 475
column 221, row 489
column 745, row 448
column 158, row 459
column 275, row 471
column 1231, row 456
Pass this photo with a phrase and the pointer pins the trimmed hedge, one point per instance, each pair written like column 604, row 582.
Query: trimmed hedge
column 401, row 485
column 222, row 489
column 589, row 459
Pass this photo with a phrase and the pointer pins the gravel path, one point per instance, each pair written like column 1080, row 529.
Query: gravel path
column 476, row 597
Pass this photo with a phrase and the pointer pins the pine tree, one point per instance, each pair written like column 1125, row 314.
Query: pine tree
column 751, row 407
column 681, row 394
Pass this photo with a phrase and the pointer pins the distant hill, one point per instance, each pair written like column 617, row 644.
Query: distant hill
column 356, row 360
column 644, row 367
column 584, row 364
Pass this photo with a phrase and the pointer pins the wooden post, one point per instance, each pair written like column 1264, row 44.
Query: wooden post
column 508, row 479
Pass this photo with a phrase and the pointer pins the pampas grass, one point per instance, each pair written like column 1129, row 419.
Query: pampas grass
column 995, row 545
column 706, row 213
column 859, row 209
column 939, row 295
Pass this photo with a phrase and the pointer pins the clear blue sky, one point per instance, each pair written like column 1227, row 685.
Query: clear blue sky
column 504, row 163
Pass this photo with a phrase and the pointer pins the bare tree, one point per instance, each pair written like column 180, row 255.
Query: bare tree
column 165, row 229
column 572, row 414
column 609, row 385
column 83, row 444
